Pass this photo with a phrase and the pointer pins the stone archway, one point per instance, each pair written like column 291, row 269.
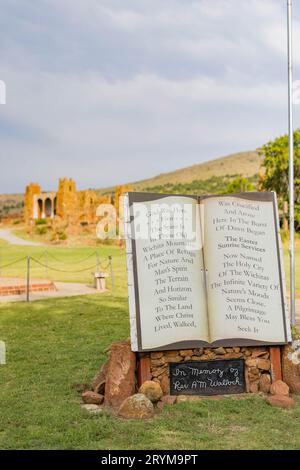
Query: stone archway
column 40, row 208
column 48, row 207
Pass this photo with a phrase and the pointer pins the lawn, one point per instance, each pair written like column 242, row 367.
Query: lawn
column 59, row 263
column 53, row 345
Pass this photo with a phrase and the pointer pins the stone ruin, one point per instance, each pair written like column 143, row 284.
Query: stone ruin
column 67, row 206
column 66, row 203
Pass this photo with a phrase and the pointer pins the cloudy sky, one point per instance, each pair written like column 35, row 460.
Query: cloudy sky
column 111, row 91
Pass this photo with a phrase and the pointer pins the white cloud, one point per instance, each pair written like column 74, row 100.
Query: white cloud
column 112, row 91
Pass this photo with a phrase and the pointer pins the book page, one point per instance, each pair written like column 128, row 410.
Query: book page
column 170, row 288
column 244, row 282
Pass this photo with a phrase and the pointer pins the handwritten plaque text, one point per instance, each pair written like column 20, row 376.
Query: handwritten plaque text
column 218, row 377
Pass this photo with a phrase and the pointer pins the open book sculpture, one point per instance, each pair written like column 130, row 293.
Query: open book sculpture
column 204, row 271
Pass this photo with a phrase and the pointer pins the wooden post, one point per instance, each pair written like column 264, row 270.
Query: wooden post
column 111, row 274
column 275, row 358
column 144, row 372
column 28, row 279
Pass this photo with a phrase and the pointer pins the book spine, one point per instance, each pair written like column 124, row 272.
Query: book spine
column 130, row 278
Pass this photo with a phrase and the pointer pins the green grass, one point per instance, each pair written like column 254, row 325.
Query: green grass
column 52, row 345
column 67, row 264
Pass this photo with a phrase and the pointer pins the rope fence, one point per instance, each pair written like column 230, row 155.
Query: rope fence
column 42, row 261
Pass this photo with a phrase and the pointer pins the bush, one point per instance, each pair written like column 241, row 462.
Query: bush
column 63, row 236
column 40, row 221
column 41, row 230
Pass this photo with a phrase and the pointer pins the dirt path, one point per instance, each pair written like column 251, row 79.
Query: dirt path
column 9, row 237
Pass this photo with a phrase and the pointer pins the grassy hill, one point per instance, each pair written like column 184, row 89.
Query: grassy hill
column 11, row 204
column 243, row 163
column 213, row 173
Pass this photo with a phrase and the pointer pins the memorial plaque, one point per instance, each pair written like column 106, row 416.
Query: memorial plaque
column 207, row 377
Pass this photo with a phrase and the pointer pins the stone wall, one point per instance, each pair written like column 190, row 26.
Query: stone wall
column 32, row 189
column 67, row 207
column 257, row 363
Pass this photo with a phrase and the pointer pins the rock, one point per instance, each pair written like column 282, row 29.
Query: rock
column 160, row 405
column 279, row 388
column 156, row 355
column 233, row 355
column 291, row 366
column 98, row 383
column 259, row 353
column 152, row 390
column 120, row 375
column 137, row 406
column 92, row 398
column 173, row 356
column 158, row 362
column 165, row 384
column 265, row 383
column 236, row 349
column 253, row 371
column 263, row 364
column 166, row 400
column 250, row 362
column 253, row 387
column 92, row 408
column 197, row 352
column 159, row 371
column 219, row 351
column 169, row 399
column 186, row 352
column 281, row 401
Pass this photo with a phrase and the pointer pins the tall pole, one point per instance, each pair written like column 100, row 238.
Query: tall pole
column 291, row 163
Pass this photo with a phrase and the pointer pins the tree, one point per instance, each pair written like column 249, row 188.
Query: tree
column 239, row 185
column 276, row 170
column 276, row 166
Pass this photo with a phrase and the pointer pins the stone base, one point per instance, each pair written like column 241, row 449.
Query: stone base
column 120, row 379
column 155, row 365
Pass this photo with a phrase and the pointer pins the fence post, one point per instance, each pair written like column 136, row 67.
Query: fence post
column 111, row 274
column 28, row 279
